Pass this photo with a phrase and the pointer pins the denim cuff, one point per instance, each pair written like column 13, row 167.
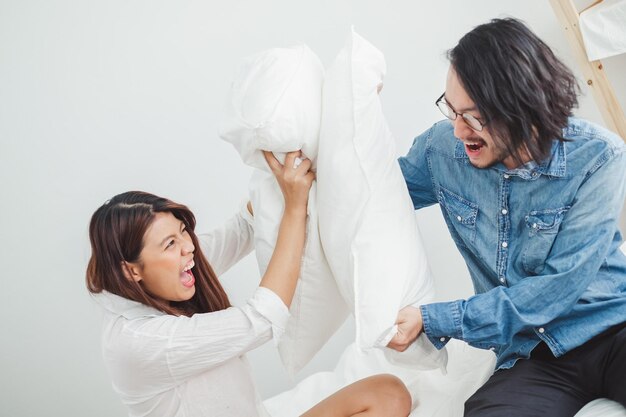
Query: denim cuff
column 442, row 321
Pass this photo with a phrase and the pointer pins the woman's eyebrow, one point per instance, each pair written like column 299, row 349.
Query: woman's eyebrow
column 166, row 239
column 171, row 236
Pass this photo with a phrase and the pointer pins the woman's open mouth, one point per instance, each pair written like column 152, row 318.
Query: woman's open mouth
column 186, row 277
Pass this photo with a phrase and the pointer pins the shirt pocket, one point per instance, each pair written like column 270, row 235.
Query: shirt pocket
column 462, row 215
column 542, row 226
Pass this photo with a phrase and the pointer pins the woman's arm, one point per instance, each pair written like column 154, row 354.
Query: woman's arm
column 295, row 182
column 165, row 350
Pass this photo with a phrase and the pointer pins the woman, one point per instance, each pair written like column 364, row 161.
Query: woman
column 172, row 342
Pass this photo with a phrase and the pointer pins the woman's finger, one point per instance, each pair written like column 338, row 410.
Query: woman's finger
column 304, row 166
column 273, row 163
column 290, row 159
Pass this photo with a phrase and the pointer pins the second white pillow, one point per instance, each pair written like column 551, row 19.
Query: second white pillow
column 367, row 222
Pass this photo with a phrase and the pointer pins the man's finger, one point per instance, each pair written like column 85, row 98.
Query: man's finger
column 395, row 340
column 400, row 347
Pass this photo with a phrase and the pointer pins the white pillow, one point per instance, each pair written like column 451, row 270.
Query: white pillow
column 276, row 106
column 367, row 222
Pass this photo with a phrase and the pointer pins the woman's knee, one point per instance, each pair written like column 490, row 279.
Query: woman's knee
column 392, row 395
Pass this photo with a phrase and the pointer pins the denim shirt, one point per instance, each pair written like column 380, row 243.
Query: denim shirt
column 541, row 241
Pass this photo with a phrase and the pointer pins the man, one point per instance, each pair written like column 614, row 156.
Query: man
column 532, row 199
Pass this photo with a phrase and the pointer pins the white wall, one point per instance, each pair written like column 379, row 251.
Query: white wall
column 99, row 97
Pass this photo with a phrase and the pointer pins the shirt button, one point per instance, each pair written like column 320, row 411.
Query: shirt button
column 492, row 348
column 534, row 225
column 502, row 279
column 442, row 339
column 504, row 244
column 459, row 218
column 541, row 330
column 506, row 176
column 504, row 211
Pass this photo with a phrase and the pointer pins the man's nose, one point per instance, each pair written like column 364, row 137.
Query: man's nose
column 461, row 129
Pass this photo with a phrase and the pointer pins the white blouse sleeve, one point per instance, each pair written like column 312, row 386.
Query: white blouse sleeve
column 226, row 245
column 166, row 349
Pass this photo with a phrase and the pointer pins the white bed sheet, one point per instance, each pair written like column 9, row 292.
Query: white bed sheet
column 602, row 408
column 434, row 394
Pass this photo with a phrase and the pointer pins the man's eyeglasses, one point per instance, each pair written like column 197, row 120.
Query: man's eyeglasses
column 451, row 114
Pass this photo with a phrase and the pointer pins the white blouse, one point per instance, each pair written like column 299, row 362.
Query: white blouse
column 162, row 365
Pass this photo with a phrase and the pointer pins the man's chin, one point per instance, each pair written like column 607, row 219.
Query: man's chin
column 482, row 164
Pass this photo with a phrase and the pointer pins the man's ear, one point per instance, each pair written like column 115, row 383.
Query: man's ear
column 131, row 271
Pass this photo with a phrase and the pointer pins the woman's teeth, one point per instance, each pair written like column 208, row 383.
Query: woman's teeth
column 189, row 266
column 187, row 278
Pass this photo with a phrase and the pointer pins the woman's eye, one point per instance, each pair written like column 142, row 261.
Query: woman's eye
column 169, row 244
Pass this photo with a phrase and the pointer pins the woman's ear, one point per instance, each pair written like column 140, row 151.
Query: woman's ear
column 131, row 271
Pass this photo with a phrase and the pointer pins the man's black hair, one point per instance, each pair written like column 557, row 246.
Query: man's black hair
column 521, row 89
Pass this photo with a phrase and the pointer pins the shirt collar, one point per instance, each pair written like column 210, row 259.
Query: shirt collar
column 555, row 165
column 124, row 307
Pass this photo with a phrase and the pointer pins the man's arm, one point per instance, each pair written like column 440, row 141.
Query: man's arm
column 416, row 172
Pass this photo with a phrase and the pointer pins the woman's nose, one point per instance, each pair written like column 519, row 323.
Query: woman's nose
column 188, row 246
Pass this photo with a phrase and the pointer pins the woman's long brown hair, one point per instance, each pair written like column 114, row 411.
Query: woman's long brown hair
column 116, row 233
